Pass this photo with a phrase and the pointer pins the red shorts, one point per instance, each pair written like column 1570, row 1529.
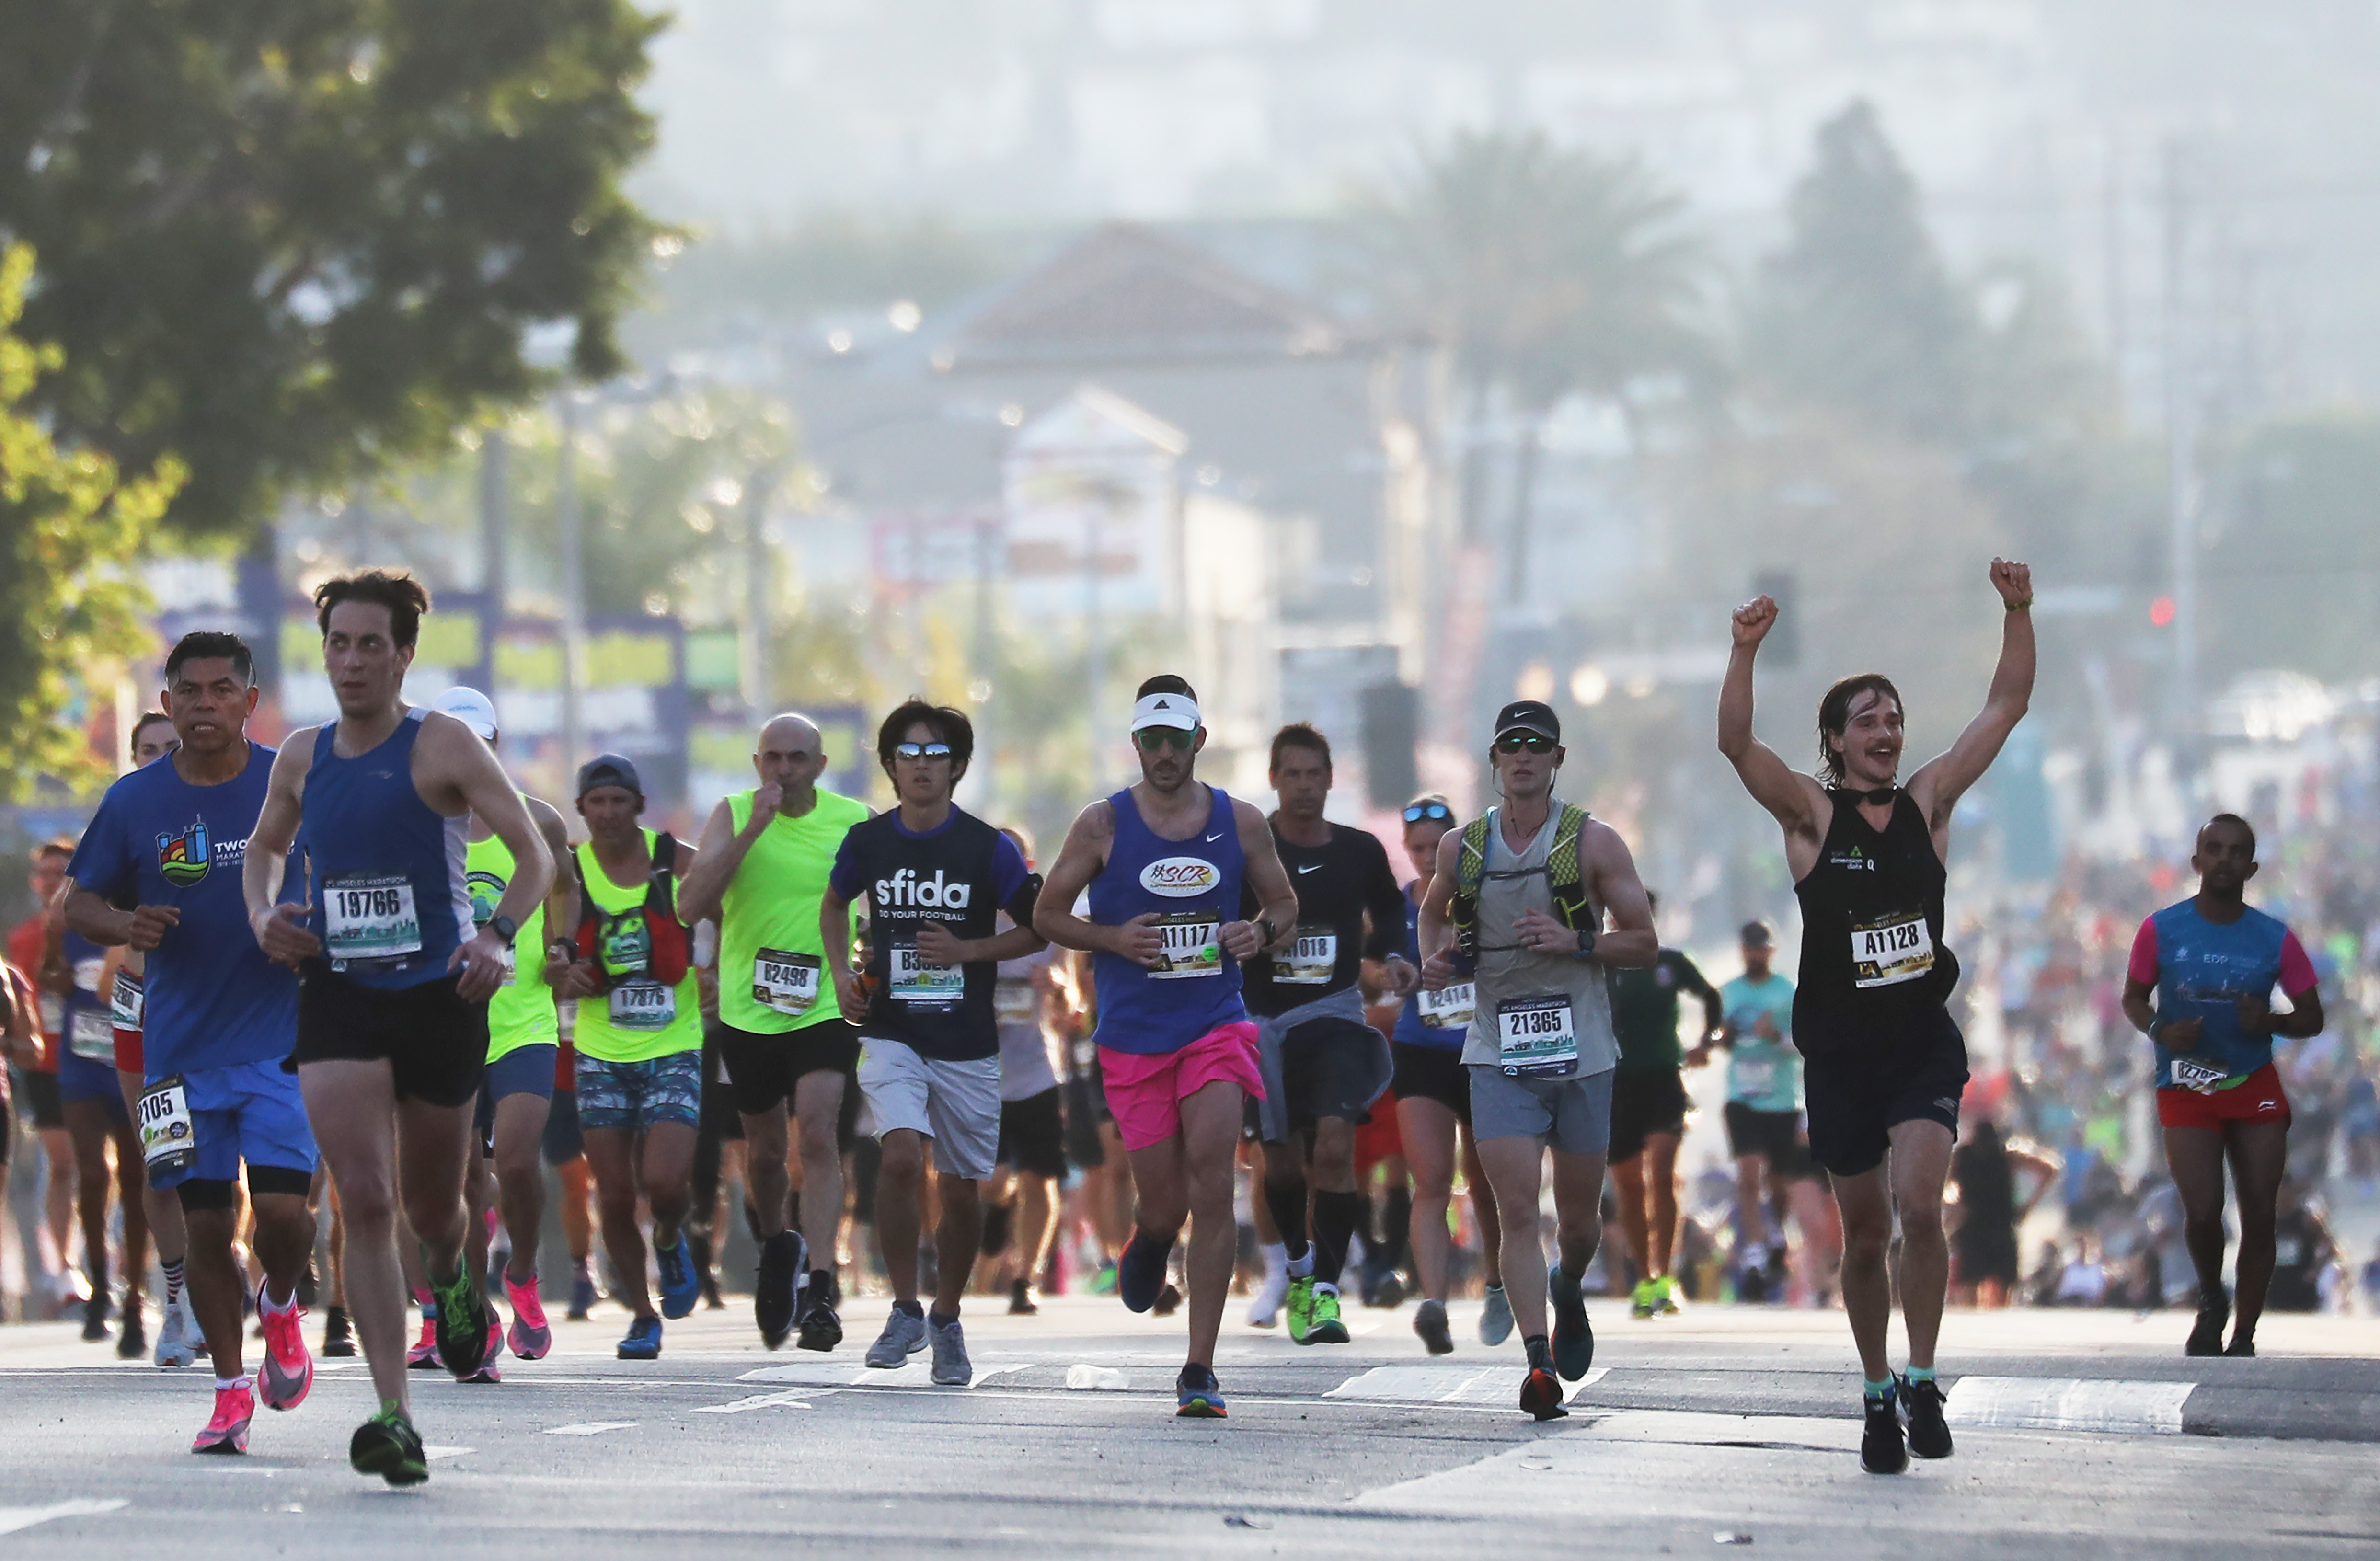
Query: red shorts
column 1379, row 1138
column 127, row 1050
column 2258, row 1098
column 1145, row 1091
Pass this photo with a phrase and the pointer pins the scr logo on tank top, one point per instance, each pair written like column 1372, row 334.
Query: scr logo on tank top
column 1179, row 878
column 906, row 888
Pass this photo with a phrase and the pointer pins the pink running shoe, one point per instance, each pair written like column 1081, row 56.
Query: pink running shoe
column 227, row 1433
column 531, row 1335
column 288, row 1373
column 423, row 1356
column 487, row 1371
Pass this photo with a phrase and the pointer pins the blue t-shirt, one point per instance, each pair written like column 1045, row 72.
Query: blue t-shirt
column 2201, row 970
column 1439, row 1019
column 213, row 999
column 1763, row 1074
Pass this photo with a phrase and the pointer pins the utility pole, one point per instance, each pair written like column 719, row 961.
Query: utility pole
column 758, row 691
column 495, row 463
column 573, row 586
column 2181, row 451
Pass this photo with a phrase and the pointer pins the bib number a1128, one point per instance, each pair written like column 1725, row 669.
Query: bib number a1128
column 1891, row 949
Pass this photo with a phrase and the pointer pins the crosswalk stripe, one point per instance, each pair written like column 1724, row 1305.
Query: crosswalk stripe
column 2068, row 1404
column 1445, row 1383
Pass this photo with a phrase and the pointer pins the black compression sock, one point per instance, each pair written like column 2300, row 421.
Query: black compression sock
column 1287, row 1203
column 822, row 1285
column 1540, row 1350
column 1396, row 1220
column 994, row 1240
column 1334, row 1223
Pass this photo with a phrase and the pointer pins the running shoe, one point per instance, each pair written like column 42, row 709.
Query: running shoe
column 1429, row 1320
column 338, row 1333
column 289, row 1373
column 387, row 1446
column 531, row 1335
column 952, row 1368
column 644, row 1341
column 2241, row 1348
column 2207, row 1334
column 822, row 1326
column 699, row 1242
column 1574, row 1336
column 903, row 1336
column 1169, row 1300
column 173, row 1345
column 461, row 1322
column 1020, row 1300
column 1496, row 1317
column 1645, row 1299
column 133, row 1342
column 1264, row 1307
column 681, row 1286
column 94, row 1320
column 1324, row 1326
column 776, row 1287
column 1140, row 1271
column 487, row 1372
column 582, row 1296
column 1198, row 1396
column 227, row 1433
column 1883, row 1448
column 1541, row 1393
column 423, row 1356
column 1664, row 1297
column 1301, row 1307
column 1751, row 1284
column 1104, row 1281
column 1929, row 1434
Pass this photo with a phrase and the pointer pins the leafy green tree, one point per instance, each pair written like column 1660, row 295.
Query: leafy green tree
column 71, row 524
column 290, row 243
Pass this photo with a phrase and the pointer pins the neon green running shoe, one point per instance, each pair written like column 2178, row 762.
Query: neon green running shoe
column 1665, row 1296
column 387, row 1446
column 1301, row 1307
column 1645, row 1298
column 1323, row 1326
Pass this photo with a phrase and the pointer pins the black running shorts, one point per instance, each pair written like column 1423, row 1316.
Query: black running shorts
column 1645, row 1104
column 434, row 1042
column 764, row 1069
column 1432, row 1073
column 1858, row 1094
column 1033, row 1134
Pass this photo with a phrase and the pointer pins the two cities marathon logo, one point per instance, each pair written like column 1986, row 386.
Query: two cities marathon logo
column 184, row 858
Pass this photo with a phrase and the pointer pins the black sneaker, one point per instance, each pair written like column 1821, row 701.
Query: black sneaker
column 1429, row 1321
column 1541, row 1389
column 133, row 1343
column 338, row 1333
column 1140, row 1270
column 2207, row 1334
column 460, row 1316
column 1883, row 1448
column 387, row 1446
column 1020, row 1300
column 2243, row 1347
column 821, row 1329
column 1929, row 1434
column 94, row 1320
column 776, row 1288
column 1574, row 1336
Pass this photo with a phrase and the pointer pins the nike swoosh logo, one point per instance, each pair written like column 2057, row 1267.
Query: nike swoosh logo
column 1309, row 867
column 1213, row 838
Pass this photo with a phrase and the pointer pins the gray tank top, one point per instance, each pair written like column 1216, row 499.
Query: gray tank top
column 1511, row 886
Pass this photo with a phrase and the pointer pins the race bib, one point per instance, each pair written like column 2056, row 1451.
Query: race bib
column 1192, row 944
column 1448, row 1008
column 1308, row 961
column 917, row 982
column 1890, row 950
column 169, row 1139
column 127, row 1002
column 369, row 917
column 91, row 1036
column 1754, row 1076
column 2197, row 1076
column 643, row 1005
column 785, row 983
column 1536, row 1037
column 1016, row 1002
column 54, row 1012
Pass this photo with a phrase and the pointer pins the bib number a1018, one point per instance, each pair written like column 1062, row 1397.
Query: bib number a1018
column 1308, row 961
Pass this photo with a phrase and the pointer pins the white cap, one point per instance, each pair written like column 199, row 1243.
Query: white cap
column 471, row 707
column 1177, row 710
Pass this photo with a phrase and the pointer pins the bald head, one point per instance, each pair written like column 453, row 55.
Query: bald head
column 791, row 733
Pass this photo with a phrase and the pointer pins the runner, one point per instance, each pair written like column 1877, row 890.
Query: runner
column 1323, row 1065
column 93, row 1100
column 1433, row 1091
column 639, row 1043
column 1882, row 1062
column 936, row 878
column 394, row 980
column 1648, row 1113
column 35, row 948
column 1520, row 896
column 760, row 874
column 1164, row 861
column 1764, row 1105
column 1033, row 1127
column 2211, row 963
column 216, row 1020
column 523, row 1037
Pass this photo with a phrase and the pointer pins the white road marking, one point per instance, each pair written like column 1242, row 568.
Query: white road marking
column 15, row 1517
column 1444, row 1384
column 591, row 1428
column 790, row 1399
column 435, row 1454
column 2068, row 1404
column 916, row 1372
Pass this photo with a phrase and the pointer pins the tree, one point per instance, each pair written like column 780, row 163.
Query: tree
column 71, row 526
column 289, row 242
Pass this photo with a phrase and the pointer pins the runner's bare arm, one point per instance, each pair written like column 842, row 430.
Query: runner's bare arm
column 1079, row 860
column 1268, row 881
column 562, row 899
column 141, row 928
column 1942, row 780
column 834, row 943
column 278, row 928
column 1795, row 800
column 1434, row 928
column 451, row 761
column 1612, row 883
column 721, row 852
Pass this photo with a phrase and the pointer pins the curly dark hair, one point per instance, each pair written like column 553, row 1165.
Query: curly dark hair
column 406, row 598
column 1835, row 716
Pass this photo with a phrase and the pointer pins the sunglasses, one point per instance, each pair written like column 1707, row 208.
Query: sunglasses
column 1516, row 741
column 1152, row 738
column 921, row 750
column 1422, row 810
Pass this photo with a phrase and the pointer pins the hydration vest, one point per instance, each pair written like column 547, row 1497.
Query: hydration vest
column 1570, row 905
column 668, row 942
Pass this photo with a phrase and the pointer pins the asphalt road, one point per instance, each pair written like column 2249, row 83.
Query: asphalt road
column 1728, row 1426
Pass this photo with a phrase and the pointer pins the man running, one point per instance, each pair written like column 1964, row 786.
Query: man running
column 936, row 878
column 159, row 871
column 1433, row 1091
column 759, row 873
column 1764, row 1101
column 1032, row 1107
column 395, row 974
column 93, row 1100
column 1521, row 896
column 2211, row 963
column 517, row 1094
column 639, row 1040
column 1323, row 1065
column 36, row 949
column 1648, row 1113
column 1164, row 861
column 1882, row 1062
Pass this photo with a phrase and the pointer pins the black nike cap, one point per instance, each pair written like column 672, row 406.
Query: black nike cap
column 1529, row 715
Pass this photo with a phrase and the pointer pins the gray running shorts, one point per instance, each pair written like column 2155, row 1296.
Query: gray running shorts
column 955, row 1103
column 1571, row 1115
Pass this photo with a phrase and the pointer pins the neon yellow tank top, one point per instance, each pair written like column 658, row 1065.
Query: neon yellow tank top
column 521, row 1013
column 771, row 978
column 634, row 1022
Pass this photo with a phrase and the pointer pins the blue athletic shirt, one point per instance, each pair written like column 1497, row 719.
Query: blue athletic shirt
column 1411, row 1029
column 2201, row 971
column 392, row 902
column 213, row 999
column 1194, row 887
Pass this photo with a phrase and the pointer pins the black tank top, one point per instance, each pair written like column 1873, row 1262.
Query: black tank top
column 1872, row 949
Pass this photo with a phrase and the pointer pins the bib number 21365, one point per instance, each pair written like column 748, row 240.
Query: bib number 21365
column 1536, row 1037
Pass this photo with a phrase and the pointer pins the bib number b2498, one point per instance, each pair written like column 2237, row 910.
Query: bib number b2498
column 786, row 982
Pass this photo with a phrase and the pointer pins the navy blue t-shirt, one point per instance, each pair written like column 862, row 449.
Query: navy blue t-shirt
column 214, row 1000
column 961, row 875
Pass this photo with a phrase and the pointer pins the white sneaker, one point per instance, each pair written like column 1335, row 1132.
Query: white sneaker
column 176, row 1334
column 1264, row 1307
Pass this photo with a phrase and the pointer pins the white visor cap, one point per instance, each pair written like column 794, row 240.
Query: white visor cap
column 471, row 707
column 1177, row 710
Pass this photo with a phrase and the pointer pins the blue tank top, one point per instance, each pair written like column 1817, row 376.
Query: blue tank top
column 384, row 870
column 2203, row 969
column 1413, row 1030
column 1193, row 888
column 90, row 1030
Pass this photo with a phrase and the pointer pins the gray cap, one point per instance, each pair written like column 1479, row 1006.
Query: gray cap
column 609, row 770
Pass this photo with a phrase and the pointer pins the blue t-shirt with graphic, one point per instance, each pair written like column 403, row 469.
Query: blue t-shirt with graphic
column 214, row 1000
column 2201, row 970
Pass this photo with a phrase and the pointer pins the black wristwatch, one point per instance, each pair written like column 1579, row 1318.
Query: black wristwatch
column 1585, row 944
column 505, row 927
column 1266, row 926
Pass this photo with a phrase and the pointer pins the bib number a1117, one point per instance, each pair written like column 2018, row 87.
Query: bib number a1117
column 1191, row 944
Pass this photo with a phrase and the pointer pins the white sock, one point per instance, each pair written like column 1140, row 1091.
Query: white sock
column 1303, row 1265
column 222, row 1382
column 1276, row 1259
column 270, row 1307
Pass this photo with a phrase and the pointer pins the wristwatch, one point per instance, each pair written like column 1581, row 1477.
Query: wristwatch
column 505, row 927
column 1585, row 944
column 1264, row 925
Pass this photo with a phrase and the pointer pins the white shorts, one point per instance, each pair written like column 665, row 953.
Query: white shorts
column 955, row 1103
